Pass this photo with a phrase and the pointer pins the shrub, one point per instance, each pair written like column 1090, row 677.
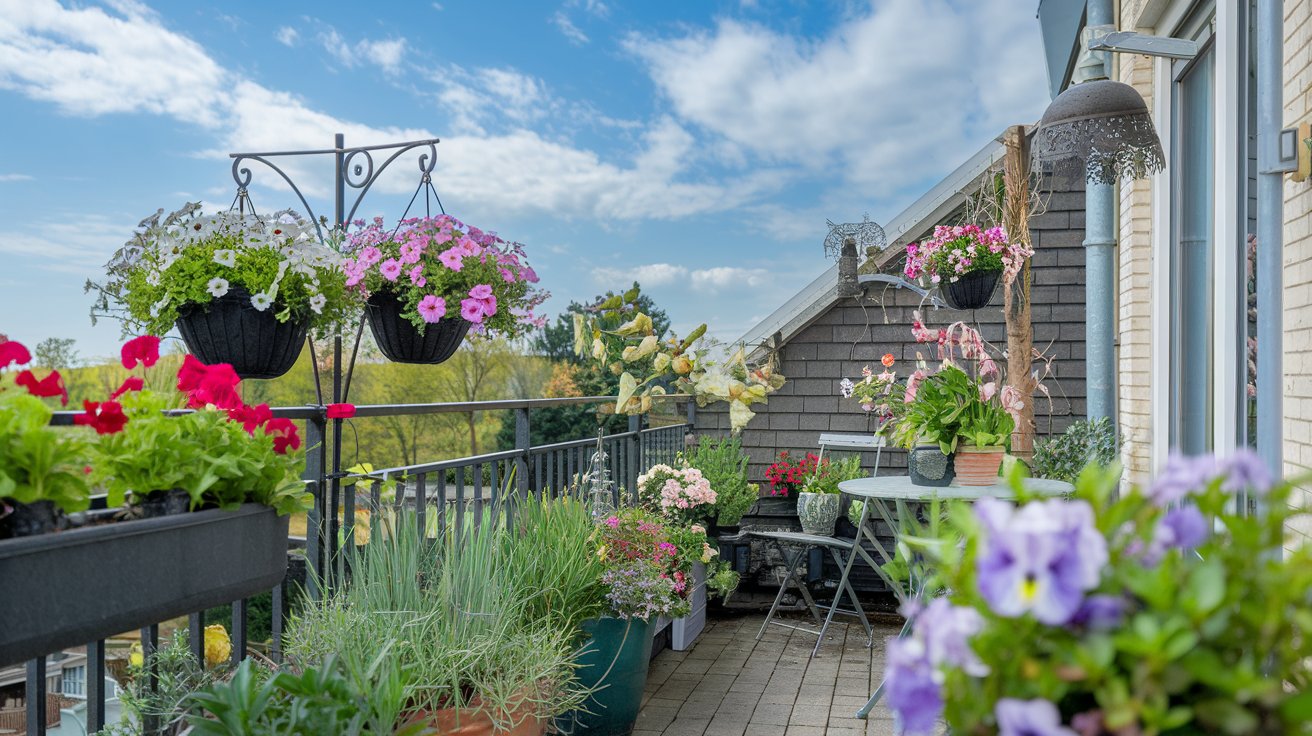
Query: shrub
column 1083, row 443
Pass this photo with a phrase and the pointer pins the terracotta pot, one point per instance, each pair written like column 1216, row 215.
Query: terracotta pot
column 475, row 721
column 978, row 466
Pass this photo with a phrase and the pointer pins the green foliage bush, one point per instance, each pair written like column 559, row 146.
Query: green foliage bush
column 1084, row 442
column 724, row 464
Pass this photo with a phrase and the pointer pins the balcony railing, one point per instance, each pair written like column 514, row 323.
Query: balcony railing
column 457, row 491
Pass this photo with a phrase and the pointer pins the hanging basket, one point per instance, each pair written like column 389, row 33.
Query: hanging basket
column 229, row 330
column 401, row 342
column 971, row 291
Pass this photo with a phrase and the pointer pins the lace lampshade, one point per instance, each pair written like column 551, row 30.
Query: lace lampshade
column 1102, row 129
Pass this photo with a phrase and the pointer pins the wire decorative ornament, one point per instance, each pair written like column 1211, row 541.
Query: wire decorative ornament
column 601, row 490
column 867, row 234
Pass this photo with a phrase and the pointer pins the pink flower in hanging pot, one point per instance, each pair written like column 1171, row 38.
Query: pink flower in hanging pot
column 390, row 269
column 432, row 308
column 481, row 291
column 472, row 310
column 452, row 258
column 417, row 276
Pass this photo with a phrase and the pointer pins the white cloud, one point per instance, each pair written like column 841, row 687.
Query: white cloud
column 905, row 88
column 15, row 177
column 287, row 36
column 385, row 53
column 652, row 274
column 90, row 62
column 594, row 7
column 573, row 33
column 730, row 276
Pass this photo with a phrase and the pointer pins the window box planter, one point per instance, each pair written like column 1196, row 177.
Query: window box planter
column 66, row 589
column 684, row 631
column 229, row 330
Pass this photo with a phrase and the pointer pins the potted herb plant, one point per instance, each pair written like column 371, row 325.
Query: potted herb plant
column 431, row 280
column 242, row 289
column 1165, row 609
column 965, row 261
column 240, row 466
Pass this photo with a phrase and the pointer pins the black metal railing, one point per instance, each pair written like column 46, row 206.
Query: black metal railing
column 459, row 491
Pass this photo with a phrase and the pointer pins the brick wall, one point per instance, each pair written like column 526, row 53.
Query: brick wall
column 1298, row 259
column 856, row 332
column 1134, row 299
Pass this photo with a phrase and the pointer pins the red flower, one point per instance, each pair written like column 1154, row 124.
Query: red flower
column 251, row 417
column 341, row 411
column 207, row 385
column 133, row 383
column 284, row 434
column 143, row 350
column 51, row 385
column 12, row 352
column 106, row 417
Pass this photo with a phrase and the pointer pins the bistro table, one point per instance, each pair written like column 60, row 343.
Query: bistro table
column 876, row 493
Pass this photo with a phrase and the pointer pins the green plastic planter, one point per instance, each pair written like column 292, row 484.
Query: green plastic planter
column 613, row 662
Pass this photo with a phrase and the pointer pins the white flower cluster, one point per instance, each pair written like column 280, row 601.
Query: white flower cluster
column 292, row 237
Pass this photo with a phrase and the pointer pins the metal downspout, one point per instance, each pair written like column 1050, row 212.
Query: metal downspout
column 1270, row 234
column 1100, row 268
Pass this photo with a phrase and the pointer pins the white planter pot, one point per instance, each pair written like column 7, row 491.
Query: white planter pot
column 684, row 631
column 818, row 512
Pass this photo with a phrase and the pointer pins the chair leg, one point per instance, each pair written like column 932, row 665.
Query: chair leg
column 879, row 691
column 790, row 563
column 835, row 604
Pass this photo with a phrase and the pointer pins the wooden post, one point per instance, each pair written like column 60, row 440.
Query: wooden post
column 1016, row 295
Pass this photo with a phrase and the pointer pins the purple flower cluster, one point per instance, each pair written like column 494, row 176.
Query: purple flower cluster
column 639, row 590
column 1041, row 558
column 1184, row 475
column 1029, row 718
column 940, row 637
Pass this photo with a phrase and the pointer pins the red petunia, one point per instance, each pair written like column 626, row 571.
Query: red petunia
column 251, row 417
column 341, row 411
column 13, row 352
column 209, row 385
column 106, row 417
column 284, row 434
column 133, row 383
column 51, row 385
column 142, row 350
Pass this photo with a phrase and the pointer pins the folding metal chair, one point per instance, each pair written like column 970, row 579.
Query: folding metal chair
column 793, row 545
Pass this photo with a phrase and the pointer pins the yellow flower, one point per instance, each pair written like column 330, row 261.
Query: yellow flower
column 135, row 657
column 218, row 647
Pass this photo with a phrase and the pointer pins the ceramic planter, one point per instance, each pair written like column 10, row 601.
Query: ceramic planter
column 401, row 342
column 971, row 291
column 478, row 721
column 613, row 664
column 684, row 631
column 928, row 466
column 978, row 466
column 72, row 587
column 229, row 330
column 818, row 512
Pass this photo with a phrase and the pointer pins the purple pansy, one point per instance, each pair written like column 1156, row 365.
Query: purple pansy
column 946, row 631
column 1245, row 470
column 1181, row 476
column 1184, row 527
column 912, row 692
column 1099, row 613
column 1040, row 558
column 1029, row 718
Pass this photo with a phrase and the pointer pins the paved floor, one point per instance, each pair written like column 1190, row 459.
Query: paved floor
column 729, row 684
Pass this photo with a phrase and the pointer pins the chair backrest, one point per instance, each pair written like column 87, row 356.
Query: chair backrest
column 862, row 442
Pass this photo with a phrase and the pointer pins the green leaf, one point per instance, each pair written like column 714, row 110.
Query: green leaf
column 1205, row 588
column 1227, row 716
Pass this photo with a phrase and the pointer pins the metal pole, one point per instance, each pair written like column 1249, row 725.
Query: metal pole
column 339, row 210
column 1270, row 233
column 1100, row 268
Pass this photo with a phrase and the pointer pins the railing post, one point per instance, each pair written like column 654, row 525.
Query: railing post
column 316, row 430
column 634, row 456
column 523, row 442
column 36, row 696
column 95, row 686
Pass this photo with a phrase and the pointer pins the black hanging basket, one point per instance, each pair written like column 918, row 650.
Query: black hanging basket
column 401, row 342
column 229, row 330
column 971, row 291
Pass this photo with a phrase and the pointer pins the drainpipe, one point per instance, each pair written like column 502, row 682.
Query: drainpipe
column 1270, row 233
column 1100, row 266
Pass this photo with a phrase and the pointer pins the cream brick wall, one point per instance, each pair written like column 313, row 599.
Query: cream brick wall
column 1134, row 305
column 1297, row 257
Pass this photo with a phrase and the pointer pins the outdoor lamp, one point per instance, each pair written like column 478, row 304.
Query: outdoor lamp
column 1102, row 128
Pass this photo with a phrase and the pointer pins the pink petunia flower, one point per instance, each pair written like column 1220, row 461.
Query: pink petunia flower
column 390, row 269
column 472, row 310
column 481, row 291
column 452, row 258
column 432, row 308
column 417, row 276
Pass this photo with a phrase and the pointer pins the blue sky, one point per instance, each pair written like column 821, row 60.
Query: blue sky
column 696, row 146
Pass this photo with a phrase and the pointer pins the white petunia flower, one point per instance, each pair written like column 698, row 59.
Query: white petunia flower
column 158, row 306
column 225, row 257
column 217, row 287
column 317, row 302
column 261, row 301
